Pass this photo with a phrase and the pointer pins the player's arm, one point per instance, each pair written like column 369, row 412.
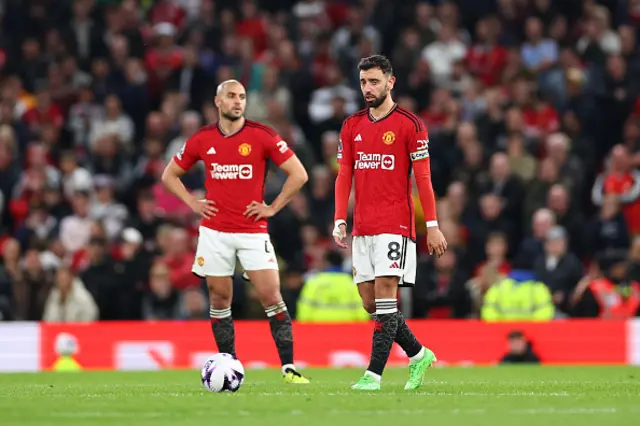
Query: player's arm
column 419, row 154
column 172, row 174
column 296, row 178
column 285, row 158
column 344, row 181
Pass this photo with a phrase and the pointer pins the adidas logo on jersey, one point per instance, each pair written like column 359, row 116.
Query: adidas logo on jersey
column 358, row 138
column 211, row 151
column 394, row 265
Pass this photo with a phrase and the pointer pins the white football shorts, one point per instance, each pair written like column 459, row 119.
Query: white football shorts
column 382, row 256
column 217, row 252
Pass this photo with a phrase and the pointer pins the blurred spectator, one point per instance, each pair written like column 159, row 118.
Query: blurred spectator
column 105, row 209
column 31, row 287
column 520, row 350
column 538, row 53
column 532, row 247
column 529, row 104
column 69, row 300
column 517, row 298
column 558, row 268
column 113, row 122
column 610, row 296
column 194, row 305
column 441, row 293
column 75, row 230
column 163, row 300
column 330, row 295
column 443, row 54
column 100, row 278
column 179, row 258
column 623, row 181
column 569, row 218
column 608, row 231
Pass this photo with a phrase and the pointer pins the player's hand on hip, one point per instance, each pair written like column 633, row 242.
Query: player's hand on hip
column 436, row 242
column 204, row 208
column 259, row 210
column 340, row 233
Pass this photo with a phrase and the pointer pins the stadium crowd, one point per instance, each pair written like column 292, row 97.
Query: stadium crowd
column 532, row 109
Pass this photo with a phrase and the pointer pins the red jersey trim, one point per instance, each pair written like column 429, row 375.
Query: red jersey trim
column 414, row 118
column 262, row 127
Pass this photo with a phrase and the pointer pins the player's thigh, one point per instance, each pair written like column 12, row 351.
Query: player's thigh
column 362, row 259
column 389, row 255
column 392, row 253
column 215, row 254
column 368, row 295
column 220, row 291
column 258, row 258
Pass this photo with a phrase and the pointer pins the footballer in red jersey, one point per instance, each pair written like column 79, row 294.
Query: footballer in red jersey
column 379, row 148
column 235, row 152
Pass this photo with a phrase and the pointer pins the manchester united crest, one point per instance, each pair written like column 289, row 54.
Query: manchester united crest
column 200, row 261
column 389, row 137
column 244, row 149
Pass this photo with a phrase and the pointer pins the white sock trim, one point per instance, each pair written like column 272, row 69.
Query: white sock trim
column 373, row 375
column 274, row 310
column 418, row 356
column 288, row 367
column 386, row 306
column 219, row 313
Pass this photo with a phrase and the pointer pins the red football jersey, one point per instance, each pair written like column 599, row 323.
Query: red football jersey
column 380, row 153
column 236, row 167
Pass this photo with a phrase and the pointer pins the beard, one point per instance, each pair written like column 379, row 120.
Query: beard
column 379, row 100
column 230, row 116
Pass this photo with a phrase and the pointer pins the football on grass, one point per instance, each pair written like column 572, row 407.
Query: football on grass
column 222, row 373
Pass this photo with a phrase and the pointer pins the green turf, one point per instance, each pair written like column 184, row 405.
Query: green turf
column 495, row 396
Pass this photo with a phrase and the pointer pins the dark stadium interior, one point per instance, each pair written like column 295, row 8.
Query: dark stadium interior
column 532, row 108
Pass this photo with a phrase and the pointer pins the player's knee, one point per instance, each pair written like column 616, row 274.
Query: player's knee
column 270, row 299
column 369, row 306
column 219, row 300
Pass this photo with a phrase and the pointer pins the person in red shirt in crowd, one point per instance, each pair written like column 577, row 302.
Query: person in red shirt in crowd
column 621, row 180
column 165, row 58
column 44, row 111
column 253, row 26
column 235, row 152
column 487, row 58
column 378, row 148
column 496, row 250
column 179, row 258
column 167, row 11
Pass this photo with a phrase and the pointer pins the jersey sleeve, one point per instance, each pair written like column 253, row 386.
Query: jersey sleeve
column 188, row 154
column 345, row 147
column 345, row 173
column 419, row 143
column 277, row 149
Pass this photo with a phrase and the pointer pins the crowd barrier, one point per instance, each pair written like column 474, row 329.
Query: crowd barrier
column 26, row 346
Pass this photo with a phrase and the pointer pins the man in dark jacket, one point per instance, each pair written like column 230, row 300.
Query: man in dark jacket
column 520, row 350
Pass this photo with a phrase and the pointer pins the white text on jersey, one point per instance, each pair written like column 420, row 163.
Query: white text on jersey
column 231, row 171
column 375, row 161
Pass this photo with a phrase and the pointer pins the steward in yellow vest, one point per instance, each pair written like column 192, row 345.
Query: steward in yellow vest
column 331, row 296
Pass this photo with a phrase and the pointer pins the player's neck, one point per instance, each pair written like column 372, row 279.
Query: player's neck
column 229, row 127
column 383, row 110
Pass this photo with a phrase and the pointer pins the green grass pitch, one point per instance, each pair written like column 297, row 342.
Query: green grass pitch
column 492, row 396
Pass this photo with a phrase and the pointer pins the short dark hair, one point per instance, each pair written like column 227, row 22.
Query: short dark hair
column 376, row 61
